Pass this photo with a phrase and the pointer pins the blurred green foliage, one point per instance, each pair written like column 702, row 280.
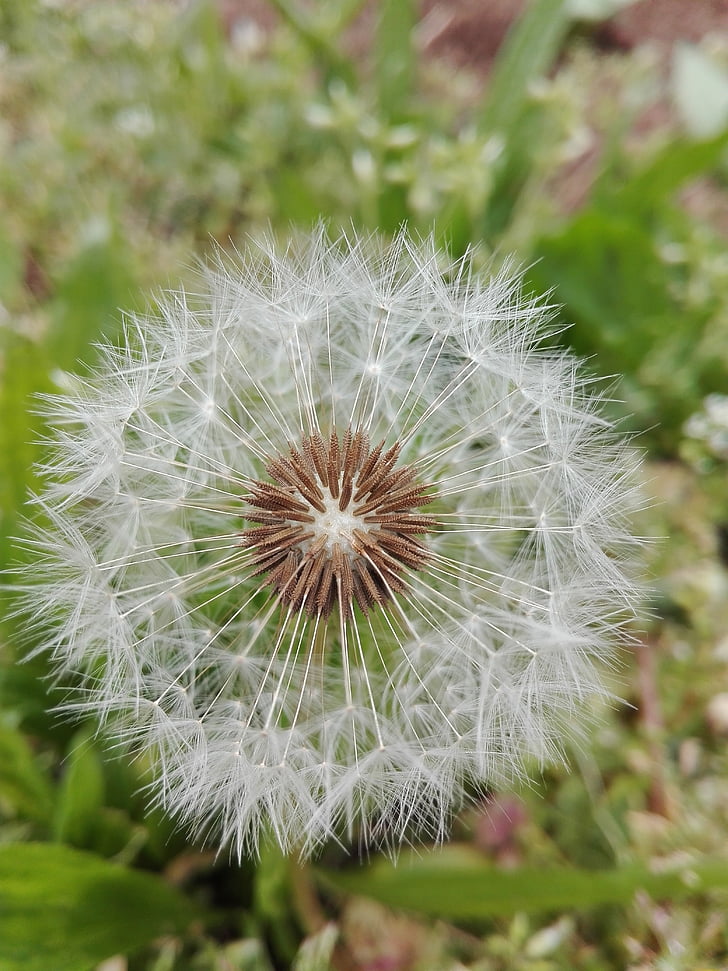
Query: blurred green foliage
column 90, row 908
column 134, row 135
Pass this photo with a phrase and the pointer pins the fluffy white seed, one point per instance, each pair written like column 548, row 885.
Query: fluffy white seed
column 321, row 714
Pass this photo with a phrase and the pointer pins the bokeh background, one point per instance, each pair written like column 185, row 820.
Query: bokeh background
column 586, row 138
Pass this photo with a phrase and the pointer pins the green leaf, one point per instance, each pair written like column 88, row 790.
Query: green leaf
column 68, row 910
column 327, row 56
column 526, row 140
column 81, row 793
column 620, row 299
column 448, row 887
column 666, row 172
column 11, row 268
column 395, row 68
column 18, row 24
column 86, row 815
column 294, row 199
column 24, row 789
column 316, row 952
column 606, row 271
column 91, row 294
column 24, row 372
column 623, row 299
column 393, row 209
column 528, row 51
column 272, row 899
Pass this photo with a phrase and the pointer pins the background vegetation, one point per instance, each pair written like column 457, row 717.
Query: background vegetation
column 136, row 135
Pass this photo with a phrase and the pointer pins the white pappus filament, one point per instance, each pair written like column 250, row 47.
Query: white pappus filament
column 337, row 542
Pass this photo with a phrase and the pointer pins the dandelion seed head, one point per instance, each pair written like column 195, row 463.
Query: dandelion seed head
column 335, row 541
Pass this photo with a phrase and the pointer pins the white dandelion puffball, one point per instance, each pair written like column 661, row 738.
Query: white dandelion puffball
column 335, row 543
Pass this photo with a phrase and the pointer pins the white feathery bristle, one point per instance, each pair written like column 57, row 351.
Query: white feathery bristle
column 279, row 690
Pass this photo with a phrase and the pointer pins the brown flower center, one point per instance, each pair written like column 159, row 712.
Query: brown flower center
column 337, row 523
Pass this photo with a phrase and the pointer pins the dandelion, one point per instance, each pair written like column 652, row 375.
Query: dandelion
column 334, row 543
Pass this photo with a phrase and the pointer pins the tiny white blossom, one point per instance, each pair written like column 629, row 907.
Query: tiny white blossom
column 334, row 543
column 710, row 426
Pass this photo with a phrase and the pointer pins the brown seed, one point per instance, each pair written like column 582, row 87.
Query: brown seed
column 360, row 514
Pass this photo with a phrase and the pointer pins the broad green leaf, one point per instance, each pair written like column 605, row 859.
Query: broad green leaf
column 25, row 791
column 605, row 269
column 617, row 295
column 395, row 57
column 67, row 910
column 650, row 187
column 475, row 890
column 85, row 815
column 81, row 793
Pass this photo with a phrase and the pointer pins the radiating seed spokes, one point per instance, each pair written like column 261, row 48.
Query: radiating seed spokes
column 337, row 523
